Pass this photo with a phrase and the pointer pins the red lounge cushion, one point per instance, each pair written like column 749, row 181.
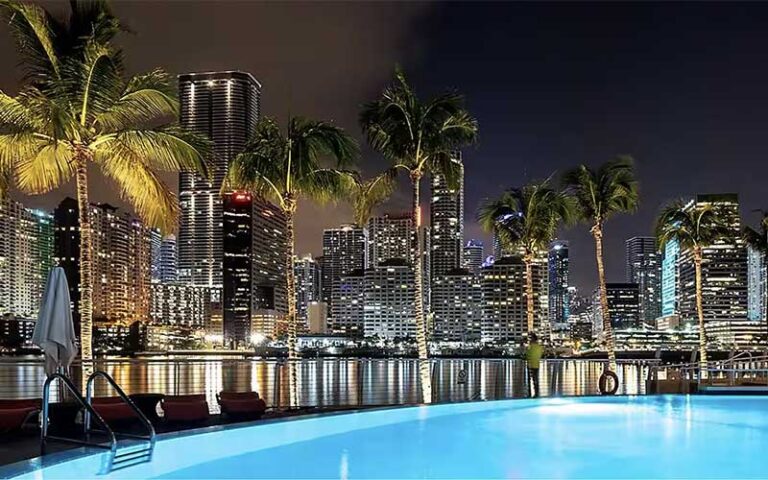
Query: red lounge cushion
column 112, row 412
column 239, row 396
column 13, row 418
column 243, row 406
column 185, row 398
column 185, row 411
column 106, row 400
column 21, row 403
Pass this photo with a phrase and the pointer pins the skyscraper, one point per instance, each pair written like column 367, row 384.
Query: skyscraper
column 389, row 298
column 121, row 261
column 457, row 303
column 473, row 256
column 391, row 237
column 757, row 284
column 670, row 280
column 504, row 304
column 623, row 305
column 237, row 224
column 344, row 250
column 308, row 281
column 224, row 106
column 269, row 298
column 26, row 257
column 348, row 298
column 557, row 264
column 168, row 262
column 446, row 225
column 644, row 268
column 724, row 268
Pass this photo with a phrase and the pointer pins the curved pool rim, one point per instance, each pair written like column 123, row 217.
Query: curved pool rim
column 305, row 428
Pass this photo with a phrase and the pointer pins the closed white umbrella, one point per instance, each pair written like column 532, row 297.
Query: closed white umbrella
column 54, row 330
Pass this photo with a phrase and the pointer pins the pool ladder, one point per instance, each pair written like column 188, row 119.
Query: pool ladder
column 116, row 458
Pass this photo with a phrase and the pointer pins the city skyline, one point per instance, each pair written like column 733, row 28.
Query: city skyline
column 510, row 146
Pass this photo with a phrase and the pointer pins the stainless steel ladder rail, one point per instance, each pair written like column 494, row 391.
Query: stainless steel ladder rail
column 44, row 436
column 133, row 455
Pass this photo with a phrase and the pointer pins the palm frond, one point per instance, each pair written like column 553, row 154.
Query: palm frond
column 34, row 30
column 327, row 185
column 691, row 225
column 367, row 195
column 44, row 166
column 148, row 100
column 599, row 194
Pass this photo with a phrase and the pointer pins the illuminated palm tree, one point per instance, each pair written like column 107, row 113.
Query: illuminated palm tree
column 421, row 138
column 77, row 109
column 366, row 195
column 694, row 227
column 285, row 166
column 600, row 194
column 526, row 219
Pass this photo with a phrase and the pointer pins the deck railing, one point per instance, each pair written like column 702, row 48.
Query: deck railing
column 334, row 382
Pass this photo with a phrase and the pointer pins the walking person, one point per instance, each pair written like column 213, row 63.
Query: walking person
column 533, row 356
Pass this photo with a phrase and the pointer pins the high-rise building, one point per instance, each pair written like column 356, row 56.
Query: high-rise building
column 757, row 285
column 344, row 250
column 670, row 280
column 348, row 298
column 308, row 281
column 177, row 304
column 26, row 258
column 156, row 240
column 473, row 256
column 557, row 264
column 268, row 256
column 623, row 306
column 456, row 307
column 389, row 297
column 391, row 237
column 505, row 307
column 724, row 268
column 238, row 240
column 644, row 268
column 122, row 251
column 446, row 224
column 224, row 106
column 168, row 270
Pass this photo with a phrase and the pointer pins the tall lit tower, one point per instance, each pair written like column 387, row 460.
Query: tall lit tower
column 344, row 251
column 557, row 263
column 724, row 269
column 473, row 256
column 447, row 224
column 224, row 106
column 644, row 268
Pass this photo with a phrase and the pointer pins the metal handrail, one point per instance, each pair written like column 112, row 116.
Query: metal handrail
column 111, row 381
column 112, row 447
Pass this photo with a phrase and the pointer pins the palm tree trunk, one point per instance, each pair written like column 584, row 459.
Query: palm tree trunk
column 421, row 327
column 597, row 233
column 290, row 280
column 86, row 256
column 697, row 259
column 528, row 259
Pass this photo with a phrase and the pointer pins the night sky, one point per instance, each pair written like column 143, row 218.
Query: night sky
column 682, row 87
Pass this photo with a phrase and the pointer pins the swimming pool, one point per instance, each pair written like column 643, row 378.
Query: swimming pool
column 590, row 437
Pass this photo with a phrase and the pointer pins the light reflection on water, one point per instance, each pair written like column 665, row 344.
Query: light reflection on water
column 334, row 382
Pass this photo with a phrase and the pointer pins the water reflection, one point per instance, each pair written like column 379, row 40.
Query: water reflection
column 333, row 382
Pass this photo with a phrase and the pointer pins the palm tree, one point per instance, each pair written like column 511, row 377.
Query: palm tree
column 420, row 138
column 77, row 109
column 366, row 195
column 758, row 240
column 285, row 166
column 694, row 227
column 526, row 219
column 600, row 194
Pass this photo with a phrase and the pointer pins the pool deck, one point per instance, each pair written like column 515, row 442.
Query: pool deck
column 26, row 444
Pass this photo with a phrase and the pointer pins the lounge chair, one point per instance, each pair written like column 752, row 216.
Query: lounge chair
column 113, row 409
column 14, row 414
column 185, row 408
column 241, row 404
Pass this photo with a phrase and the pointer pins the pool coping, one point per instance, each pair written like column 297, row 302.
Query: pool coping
column 22, row 467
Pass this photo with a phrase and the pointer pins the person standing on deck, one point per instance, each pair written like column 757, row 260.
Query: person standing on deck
column 533, row 356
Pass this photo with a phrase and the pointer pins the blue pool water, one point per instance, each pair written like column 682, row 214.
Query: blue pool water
column 621, row 437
